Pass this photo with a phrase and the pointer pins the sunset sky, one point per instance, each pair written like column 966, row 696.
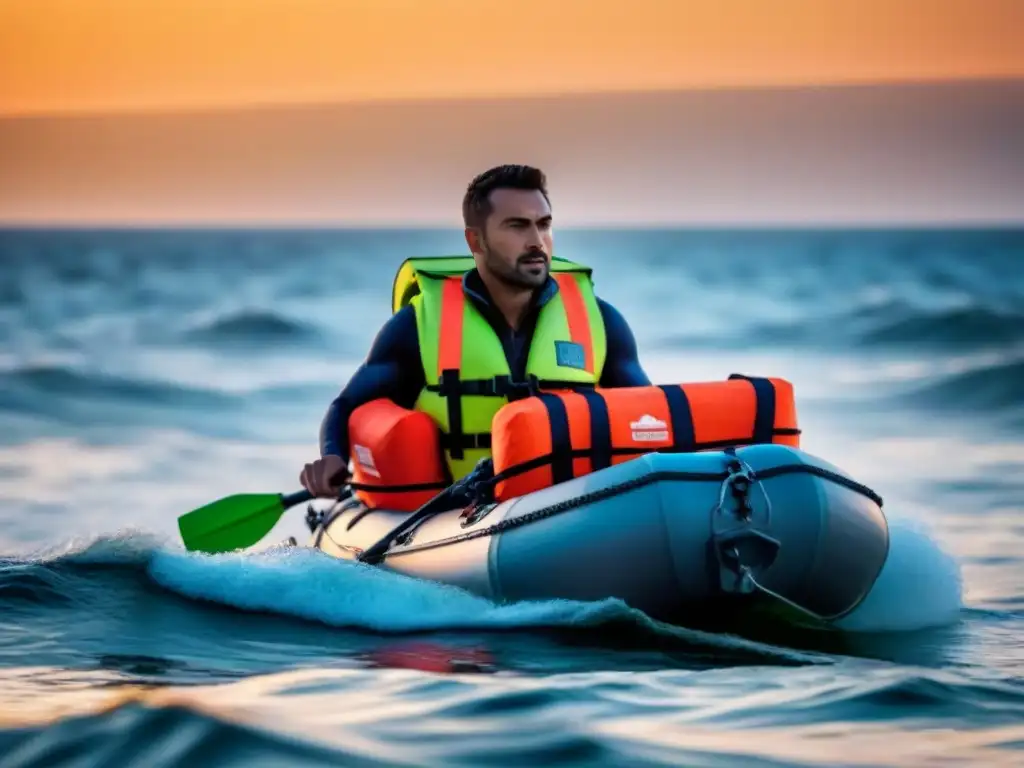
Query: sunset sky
column 379, row 111
column 102, row 55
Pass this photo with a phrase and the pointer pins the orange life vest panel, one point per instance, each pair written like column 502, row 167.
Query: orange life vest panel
column 396, row 456
column 556, row 436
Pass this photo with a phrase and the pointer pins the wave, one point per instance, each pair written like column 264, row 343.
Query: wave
column 18, row 388
column 209, row 633
column 959, row 328
column 308, row 585
column 307, row 719
column 252, row 327
column 96, row 401
column 891, row 325
column 993, row 388
column 35, row 396
column 139, row 734
column 866, row 693
column 34, row 387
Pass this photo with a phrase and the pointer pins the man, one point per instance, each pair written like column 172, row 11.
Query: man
column 507, row 215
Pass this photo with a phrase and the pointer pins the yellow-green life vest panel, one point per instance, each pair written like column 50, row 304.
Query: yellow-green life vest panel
column 568, row 347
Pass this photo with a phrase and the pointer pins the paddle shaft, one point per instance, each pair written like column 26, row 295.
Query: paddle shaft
column 302, row 496
column 295, row 498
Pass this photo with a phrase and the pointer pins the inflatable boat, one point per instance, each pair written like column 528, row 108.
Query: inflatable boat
column 673, row 534
column 681, row 499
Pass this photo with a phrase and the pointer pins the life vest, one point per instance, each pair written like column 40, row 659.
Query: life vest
column 395, row 455
column 468, row 379
column 402, row 458
column 557, row 436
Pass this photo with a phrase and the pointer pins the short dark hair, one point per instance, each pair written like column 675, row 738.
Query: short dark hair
column 476, row 205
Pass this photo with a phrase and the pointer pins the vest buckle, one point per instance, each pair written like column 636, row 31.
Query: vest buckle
column 520, row 390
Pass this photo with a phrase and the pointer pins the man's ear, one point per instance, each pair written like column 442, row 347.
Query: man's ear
column 474, row 241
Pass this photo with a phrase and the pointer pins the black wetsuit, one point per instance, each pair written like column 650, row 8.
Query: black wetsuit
column 393, row 368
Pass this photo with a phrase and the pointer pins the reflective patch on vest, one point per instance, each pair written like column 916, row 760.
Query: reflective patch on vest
column 569, row 354
column 365, row 458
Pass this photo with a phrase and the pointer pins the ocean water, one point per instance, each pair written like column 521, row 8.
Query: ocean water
column 143, row 374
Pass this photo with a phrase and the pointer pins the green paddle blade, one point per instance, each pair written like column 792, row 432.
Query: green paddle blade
column 234, row 522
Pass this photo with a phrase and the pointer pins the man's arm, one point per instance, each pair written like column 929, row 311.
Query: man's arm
column 622, row 364
column 392, row 369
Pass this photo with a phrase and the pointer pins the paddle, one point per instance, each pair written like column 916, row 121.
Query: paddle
column 235, row 522
column 239, row 521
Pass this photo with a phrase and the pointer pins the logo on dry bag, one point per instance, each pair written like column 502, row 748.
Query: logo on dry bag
column 569, row 354
column 365, row 459
column 648, row 429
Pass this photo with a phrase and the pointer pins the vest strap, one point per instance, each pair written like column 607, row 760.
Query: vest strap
column 561, row 439
column 449, row 357
column 453, row 301
column 500, row 386
column 576, row 316
column 465, row 441
column 684, row 439
column 764, row 416
column 453, row 400
column 600, row 431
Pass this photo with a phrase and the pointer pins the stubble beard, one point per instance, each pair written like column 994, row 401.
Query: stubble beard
column 520, row 277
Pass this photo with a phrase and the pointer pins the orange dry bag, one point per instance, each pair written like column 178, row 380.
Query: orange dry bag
column 396, row 456
column 556, row 436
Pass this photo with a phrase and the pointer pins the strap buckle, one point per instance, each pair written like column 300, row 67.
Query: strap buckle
column 499, row 386
column 520, row 390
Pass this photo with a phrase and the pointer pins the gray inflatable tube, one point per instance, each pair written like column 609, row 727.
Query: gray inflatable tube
column 673, row 535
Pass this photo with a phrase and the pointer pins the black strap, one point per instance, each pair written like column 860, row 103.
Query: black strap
column 561, row 441
column 501, row 386
column 466, row 441
column 684, row 439
column 764, row 416
column 600, row 430
column 449, row 384
column 410, row 488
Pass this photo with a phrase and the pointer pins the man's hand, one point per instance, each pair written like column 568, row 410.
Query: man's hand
column 324, row 477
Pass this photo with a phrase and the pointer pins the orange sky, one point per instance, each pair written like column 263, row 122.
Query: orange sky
column 97, row 55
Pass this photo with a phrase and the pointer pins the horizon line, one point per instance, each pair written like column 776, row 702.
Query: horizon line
column 721, row 226
column 208, row 108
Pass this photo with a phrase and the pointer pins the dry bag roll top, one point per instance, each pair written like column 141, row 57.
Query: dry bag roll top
column 556, row 436
column 396, row 456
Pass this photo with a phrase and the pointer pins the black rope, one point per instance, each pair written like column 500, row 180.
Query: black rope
column 640, row 482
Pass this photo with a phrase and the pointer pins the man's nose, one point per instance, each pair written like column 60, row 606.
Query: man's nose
column 534, row 239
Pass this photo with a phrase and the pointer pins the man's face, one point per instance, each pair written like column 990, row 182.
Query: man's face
column 517, row 238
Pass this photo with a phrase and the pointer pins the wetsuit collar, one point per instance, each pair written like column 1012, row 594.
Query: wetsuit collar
column 473, row 286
